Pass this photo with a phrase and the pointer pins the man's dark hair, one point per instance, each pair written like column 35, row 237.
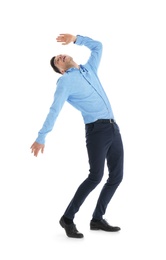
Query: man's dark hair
column 53, row 65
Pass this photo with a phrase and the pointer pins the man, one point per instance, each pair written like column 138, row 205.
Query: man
column 80, row 86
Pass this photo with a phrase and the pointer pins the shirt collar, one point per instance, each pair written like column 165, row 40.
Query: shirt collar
column 82, row 69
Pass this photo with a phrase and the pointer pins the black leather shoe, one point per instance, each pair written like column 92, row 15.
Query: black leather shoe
column 71, row 230
column 103, row 225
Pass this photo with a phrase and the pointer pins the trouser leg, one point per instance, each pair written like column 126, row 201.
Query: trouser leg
column 96, row 154
column 115, row 167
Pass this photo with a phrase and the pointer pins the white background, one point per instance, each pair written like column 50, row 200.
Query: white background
column 34, row 192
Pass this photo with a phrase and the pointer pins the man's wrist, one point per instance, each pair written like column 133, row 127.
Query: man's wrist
column 74, row 39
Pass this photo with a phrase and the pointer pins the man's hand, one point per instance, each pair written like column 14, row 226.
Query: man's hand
column 36, row 147
column 66, row 38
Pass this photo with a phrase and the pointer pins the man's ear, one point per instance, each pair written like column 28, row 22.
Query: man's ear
column 62, row 71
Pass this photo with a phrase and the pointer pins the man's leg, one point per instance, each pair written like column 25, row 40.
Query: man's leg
column 97, row 147
column 115, row 166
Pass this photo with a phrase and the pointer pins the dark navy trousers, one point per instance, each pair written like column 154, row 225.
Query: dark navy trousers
column 104, row 144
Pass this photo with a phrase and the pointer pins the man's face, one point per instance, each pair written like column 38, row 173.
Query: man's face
column 63, row 61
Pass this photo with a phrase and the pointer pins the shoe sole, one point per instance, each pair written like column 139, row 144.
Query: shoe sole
column 95, row 228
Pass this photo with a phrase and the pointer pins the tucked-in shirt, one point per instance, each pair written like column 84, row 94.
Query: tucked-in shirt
column 82, row 89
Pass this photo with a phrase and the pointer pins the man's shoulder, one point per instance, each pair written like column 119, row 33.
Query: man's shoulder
column 62, row 79
column 65, row 80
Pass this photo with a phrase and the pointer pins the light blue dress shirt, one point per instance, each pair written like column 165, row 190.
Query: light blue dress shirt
column 82, row 89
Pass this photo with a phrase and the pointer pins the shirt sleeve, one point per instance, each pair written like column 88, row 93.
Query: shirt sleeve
column 95, row 47
column 60, row 96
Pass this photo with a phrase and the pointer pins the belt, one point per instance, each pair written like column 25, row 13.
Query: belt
column 105, row 121
column 99, row 121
